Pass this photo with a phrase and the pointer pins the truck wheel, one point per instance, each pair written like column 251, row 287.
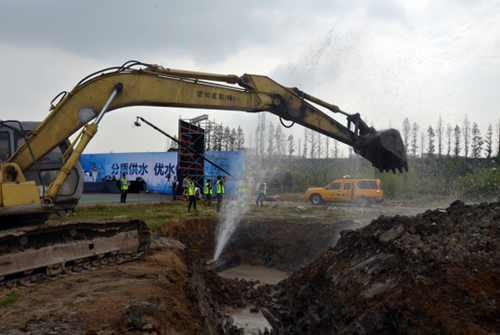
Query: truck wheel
column 363, row 202
column 316, row 199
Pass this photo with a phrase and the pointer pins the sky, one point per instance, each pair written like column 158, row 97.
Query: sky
column 385, row 59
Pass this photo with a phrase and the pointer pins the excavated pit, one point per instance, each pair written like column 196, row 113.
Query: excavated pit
column 437, row 272
column 274, row 248
column 278, row 244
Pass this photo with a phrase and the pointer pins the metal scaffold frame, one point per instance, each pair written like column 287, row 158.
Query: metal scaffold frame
column 211, row 150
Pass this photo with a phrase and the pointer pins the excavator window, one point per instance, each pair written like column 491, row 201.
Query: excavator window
column 4, row 146
column 53, row 156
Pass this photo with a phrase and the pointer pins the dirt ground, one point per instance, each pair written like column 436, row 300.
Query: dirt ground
column 105, row 299
column 168, row 291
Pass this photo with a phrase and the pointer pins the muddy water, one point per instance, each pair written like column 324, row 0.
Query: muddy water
column 243, row 318
column 249, row 272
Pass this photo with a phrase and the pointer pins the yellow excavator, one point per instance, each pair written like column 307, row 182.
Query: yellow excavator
column 30, row 249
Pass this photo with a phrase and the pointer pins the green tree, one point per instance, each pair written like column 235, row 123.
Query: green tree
column 431, row 147
column 456, row 148
column 291, row 145
column 477, row 141
column 414, row 139
column 466, row 134
column 439, row 134
column 240, row 139
column 488, row 140
column 406, row 133
column 271, row 144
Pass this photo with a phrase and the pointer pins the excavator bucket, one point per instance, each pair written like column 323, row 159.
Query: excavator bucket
column 385, row 150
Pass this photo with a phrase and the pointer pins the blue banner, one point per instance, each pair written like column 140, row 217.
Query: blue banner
column 156, row 168
column 159, row 168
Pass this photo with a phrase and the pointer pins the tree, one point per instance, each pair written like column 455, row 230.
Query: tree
column 291, row 145
column 306, row 138
column 271, row 144
column 313, row 140
column 449, row 132
column 422, row 144
column 336, row 149
column 431, row 148
column 218, row 134
column 488, row 140
column 280, row 141
column 208, row 137
column 498, row 139
column 226, row 139
column 406, row 132
column 232, row 140
column 300, row 148
column 457, row 149
column 466, row 135
column 327, row 144
column 477, row 141
column 257, row 139
column 439, row 133
column 260, row 132
column 414, row 139
column 240, row 139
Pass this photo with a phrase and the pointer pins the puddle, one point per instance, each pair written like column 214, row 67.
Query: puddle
column 243, row 318
column 249, row 272
column 250, row 322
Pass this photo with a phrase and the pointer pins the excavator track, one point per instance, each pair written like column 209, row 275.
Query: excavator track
column 33, row 253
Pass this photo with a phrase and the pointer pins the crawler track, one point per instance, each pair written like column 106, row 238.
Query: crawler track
column 32, row 253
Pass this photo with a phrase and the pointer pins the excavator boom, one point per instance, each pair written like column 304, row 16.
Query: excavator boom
column 158, row 86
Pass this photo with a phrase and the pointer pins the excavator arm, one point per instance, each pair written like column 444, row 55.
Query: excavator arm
column 158, row 86
column 153, row 85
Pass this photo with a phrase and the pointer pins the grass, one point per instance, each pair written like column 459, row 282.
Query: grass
column 294, row 197
column 154, row 215
column 158, row 214
column 10, row 300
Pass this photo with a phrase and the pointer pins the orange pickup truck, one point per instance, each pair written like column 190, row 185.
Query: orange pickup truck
column 363, row 192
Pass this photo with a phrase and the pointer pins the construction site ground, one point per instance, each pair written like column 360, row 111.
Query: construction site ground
column 411, row 271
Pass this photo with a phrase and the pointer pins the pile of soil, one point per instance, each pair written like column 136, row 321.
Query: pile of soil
column 237, row 293
column 433, row 273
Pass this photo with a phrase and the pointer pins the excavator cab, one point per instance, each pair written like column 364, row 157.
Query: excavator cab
column 12, row 138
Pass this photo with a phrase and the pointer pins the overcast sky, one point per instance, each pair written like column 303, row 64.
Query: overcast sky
column 384, row 59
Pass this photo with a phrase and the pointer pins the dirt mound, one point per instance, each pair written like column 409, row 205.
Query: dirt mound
column 434, row 273
column 237, row 293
